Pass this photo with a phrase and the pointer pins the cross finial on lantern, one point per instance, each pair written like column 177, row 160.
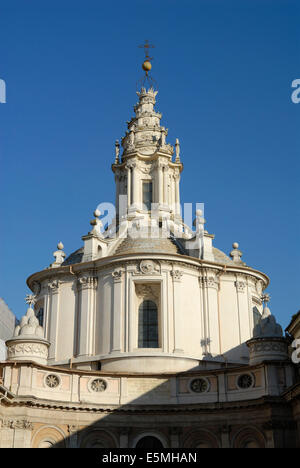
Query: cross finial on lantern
column 146, row 66
column 147, row 46
column 30, row 299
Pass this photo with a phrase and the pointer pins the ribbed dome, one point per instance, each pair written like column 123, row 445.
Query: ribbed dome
column 221, row 257
column 153, row 245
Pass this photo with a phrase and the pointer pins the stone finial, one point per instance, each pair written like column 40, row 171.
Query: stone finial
column 59, row 256
column 29, row 325
column 199, row 221
column 131, row 138
column 28, row 343
column 177, row 149
column 236, row 254
column 96, row 223
column 163, row 136
column 267, row 326
column 268, row 342
column 117, row 151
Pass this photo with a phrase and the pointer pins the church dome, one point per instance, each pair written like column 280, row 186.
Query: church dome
column 148, row 291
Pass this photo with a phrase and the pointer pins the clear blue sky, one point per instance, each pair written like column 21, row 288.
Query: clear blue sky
column 224, row 70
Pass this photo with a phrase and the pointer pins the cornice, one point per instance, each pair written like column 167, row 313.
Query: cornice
column 33, row 402
column 153, row 157
column 233, row 369
column 113, row 260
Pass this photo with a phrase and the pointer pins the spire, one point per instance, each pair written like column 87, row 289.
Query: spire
column 147, row 178
column 145, row 134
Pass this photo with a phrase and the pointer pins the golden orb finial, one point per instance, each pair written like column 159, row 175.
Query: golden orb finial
column 146, row 66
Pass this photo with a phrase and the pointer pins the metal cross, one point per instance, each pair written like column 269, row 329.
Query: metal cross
column 147, row 46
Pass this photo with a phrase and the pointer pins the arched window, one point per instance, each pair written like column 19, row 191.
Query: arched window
column 148, row 325
column 147, row 195
column 149, row 442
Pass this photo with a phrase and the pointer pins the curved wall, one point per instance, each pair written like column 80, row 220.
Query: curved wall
column 204, row 311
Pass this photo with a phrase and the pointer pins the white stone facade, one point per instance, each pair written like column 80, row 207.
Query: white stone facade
column 145, row 331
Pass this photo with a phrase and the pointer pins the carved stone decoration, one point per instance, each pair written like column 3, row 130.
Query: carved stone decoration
column 52, row 381
column 267, row 349
column 240, row 286
column 146, row 291
column 117, row 275
column 28, row 343
column 149, row 267
column 98, row 385
column 199, row 385
column 53, row 286
column 17, row 424
column 72, row 429
column 267, row 346
column 176, row 275
column 87, row 282
column 145, row 168
column 210, row 282
column 24, row 349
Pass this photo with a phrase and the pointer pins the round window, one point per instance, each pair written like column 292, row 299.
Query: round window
column 245, row 381
column 199, row 385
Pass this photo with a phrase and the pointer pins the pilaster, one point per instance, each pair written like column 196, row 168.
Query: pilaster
column 54, row 290
column 86, row 286
column 117, row 312
column 178, row 317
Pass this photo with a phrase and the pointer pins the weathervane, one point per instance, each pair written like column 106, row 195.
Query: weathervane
column 146, row 66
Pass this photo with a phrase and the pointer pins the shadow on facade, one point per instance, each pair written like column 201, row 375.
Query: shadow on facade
column 156, row 420
column 150, row 421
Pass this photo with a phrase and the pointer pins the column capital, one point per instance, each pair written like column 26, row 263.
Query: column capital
column 72, row 428
column 176, row 275
column 53, row 286
column 87, row 282
column 209, row 282
column 130, row 165
column 240, row 286
column 117, row 275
